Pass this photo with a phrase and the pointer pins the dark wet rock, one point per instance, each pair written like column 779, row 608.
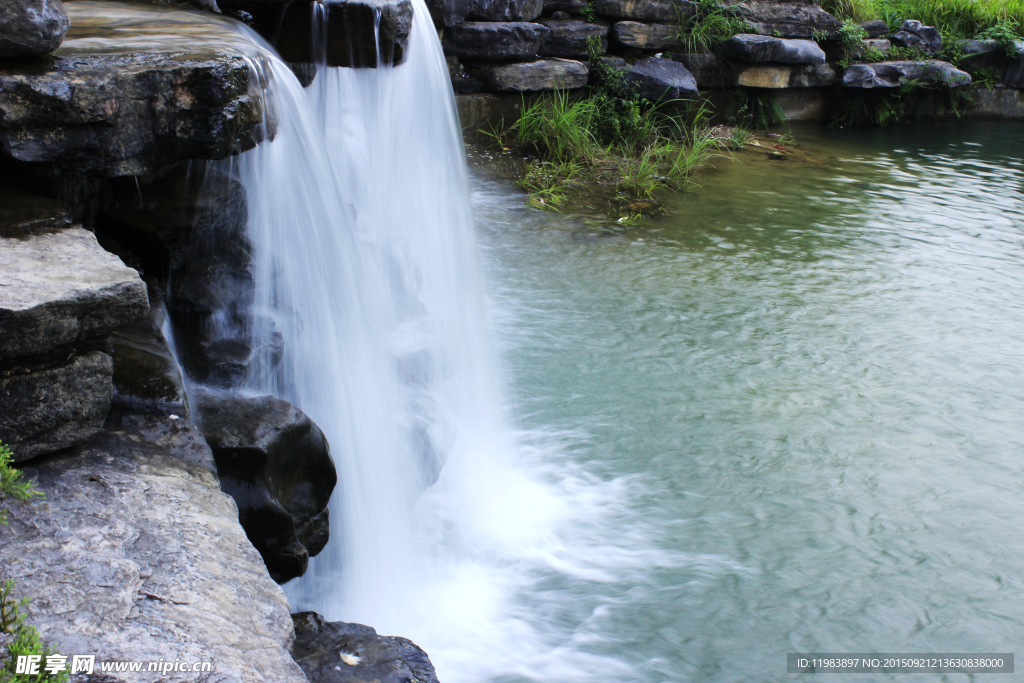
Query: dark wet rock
column 23, row 214
column 917, row 36
column 707, row 69
column 875, row 28
column 62, row 288
column 147, row 378
column 339, row 652
column 1015, row 71
column 277, row 466
column 352, row 31
column 646, row 36
column 988, row 55
column 31, row 27
column 545, row 74
column 892, row 74
column 758, row 49
column 662, row 79
column 568, row 38
column 49, row 408
column 306, row 73
column 776, row 76
column 801, row 19
column 496, row 41
column 644, row 10
column 136, row 554
column 504, row 10
column 126, row 114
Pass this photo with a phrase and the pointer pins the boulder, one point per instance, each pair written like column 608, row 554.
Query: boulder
column 353, row 31
column 31, row 27
column 569, row 38
column 800, row 19
column 62, row 288
column 277, row 466
column 496, row 41
column 662, row 79
column 339, row 652
column 777, row 76
column 135, row 554
column 646, row 36
column 147, row 378
column 758, row 49
column 989, row 55
column 544, row 74
column 50, row 406
column 707, row 69
column 131, row 109
column 915, row 35
column 644, row 10
column 892, row 74
column 875, row 28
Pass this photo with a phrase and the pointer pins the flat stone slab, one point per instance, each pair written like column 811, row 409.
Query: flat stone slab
column 892, row 74
column 545, row 74
column 568, row 38
column 799, row 19
column 760, row 49
column 50, row 408
column 776, row 76
column 496, row 41
column 646, row 36
column 133, row 88
column 61, row 288
column 136, row 555
column 644, row 10
column 31, row 27
column 661, row 79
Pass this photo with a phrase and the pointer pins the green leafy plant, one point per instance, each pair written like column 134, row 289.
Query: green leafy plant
column 755, row 111
column 589, row 11
column 950, row 17
column 818, row 35
column 1006, row 32
column 707, row 24
column 851, row 38
column 12, row 483
column 26, row 641
column 986, row 78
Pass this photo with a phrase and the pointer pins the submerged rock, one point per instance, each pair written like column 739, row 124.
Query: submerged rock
column 646, row 36
column 136, row 555
column 545, row 74
column 661, row 79
column 767, row 49
column 338, row 652
column 799, row 19
column 568, row 38
column 277, row 466
column 496, row 41
column 893, row 74
column 31, row 27
column 644, row 10
column 915, row 35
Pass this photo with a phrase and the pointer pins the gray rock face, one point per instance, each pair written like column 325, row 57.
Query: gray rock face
column 646, row 36
column 564, row 5
column 31, row 27
column 496, row 41
column 775, row 76
column 277, row 466
column 117, row 108
column 892, row 74
column 504, row 10
column 50, row 408
column 62, row 288
column 353, row 29
column 644, row 10
column 544, row 74
column 800, row 19
column 134, row 555
column 365, row 656
column 915, row 35
column 662, row 79
column 707, row 69
column 758, row 49
column 980, row 55
column 147, row 378
column 875, row 28
column 1014, row 77
column 569, row 38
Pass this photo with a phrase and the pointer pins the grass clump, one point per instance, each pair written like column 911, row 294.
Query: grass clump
column 26, row 641
column 707, row 24
column 955, row 19
column 12, row 484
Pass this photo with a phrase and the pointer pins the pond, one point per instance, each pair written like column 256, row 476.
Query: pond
column 793, row 409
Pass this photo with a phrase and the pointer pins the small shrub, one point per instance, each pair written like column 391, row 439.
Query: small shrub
column 1006, row 32
column 26, row 641
column 12, row 484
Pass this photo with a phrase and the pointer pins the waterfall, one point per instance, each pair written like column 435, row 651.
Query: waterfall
column 370, row 307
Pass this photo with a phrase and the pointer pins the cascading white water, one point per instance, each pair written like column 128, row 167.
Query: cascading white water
column 367, row 275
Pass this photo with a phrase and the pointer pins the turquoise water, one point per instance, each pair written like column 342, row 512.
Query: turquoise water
column 798, row 400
